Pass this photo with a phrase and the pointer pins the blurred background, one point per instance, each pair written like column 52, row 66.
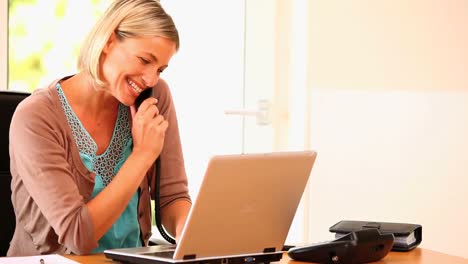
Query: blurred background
column 377, row 88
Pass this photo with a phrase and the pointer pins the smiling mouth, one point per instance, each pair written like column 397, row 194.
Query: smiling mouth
column 134, row 86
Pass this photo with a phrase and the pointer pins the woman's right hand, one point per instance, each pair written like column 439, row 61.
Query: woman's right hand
column 148, row 129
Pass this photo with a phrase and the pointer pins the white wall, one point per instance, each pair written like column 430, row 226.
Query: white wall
column 392, row 45
column 389, row 116
column 205, row 77
column 395, row 157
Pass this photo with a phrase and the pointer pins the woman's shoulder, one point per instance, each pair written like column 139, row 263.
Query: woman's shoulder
column 40, row 105
column 163, row 94
column 162, row 89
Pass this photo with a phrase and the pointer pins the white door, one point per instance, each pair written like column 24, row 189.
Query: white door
column 231, row 81
column 274, row 85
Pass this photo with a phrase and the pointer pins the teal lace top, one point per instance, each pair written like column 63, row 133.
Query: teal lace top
column 125, row 232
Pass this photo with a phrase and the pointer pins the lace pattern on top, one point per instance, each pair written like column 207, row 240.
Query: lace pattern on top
column 104, row 164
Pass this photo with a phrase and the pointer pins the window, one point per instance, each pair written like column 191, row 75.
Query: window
column 44, row 39
column 3, row 42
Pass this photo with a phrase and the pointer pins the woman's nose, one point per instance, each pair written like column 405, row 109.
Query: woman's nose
column 150, row 78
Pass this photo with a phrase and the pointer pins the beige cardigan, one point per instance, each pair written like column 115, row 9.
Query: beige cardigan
column 51, row 185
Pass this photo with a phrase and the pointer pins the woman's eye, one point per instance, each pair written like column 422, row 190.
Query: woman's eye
column 143, row 60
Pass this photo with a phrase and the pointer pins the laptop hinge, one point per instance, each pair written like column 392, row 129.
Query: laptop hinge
column 268, row 250
column 190, row 256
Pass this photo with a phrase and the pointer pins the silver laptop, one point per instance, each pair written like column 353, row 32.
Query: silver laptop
column 242, row 213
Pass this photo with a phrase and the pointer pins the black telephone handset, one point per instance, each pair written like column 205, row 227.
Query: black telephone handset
column 148, row 92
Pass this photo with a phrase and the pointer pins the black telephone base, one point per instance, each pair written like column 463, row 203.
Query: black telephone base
column 362, row 246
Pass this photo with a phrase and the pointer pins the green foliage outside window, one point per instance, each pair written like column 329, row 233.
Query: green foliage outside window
column 44, row 38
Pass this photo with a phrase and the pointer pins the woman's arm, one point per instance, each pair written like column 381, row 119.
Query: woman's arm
column 174, row 198
column 148, row 132
column 109, row 204
column 174, row 216
column 47, row 191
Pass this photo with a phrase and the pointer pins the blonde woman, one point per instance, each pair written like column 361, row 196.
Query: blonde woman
column 82, row 155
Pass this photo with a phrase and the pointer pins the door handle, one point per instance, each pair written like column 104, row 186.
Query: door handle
column 262, row 113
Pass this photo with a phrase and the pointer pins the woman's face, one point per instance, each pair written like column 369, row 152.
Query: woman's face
column 131, row 65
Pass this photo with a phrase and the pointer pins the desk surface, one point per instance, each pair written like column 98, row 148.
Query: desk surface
column 416, row 256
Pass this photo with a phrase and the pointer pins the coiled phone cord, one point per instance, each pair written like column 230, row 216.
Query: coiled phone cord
column 157, row 208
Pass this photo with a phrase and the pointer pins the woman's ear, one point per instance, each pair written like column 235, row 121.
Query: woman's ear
column 110, row 42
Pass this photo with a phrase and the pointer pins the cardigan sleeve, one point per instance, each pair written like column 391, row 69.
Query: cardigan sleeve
column 173, row 178
column 46, row 185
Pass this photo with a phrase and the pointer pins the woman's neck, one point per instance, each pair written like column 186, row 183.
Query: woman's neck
column 96, row 108
column 87, row 100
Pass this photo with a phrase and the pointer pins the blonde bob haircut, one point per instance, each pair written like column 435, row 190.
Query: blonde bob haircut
column 127, row 19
